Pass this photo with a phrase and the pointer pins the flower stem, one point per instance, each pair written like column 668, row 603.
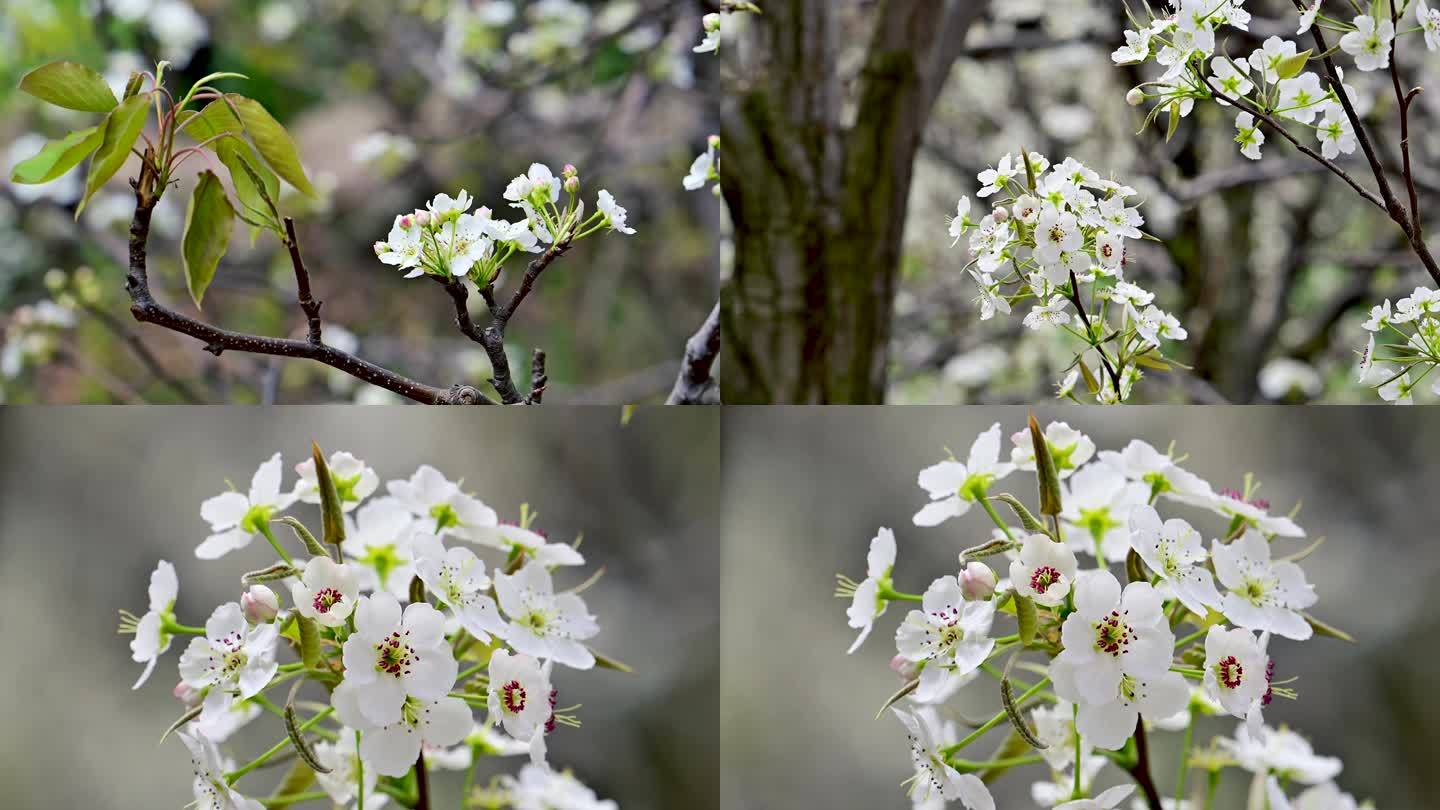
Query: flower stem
column 422, row 782
column 234, row 776
column 296, row 798
column 359, row 775
column 990, row 510
column 1192, row 637
column 1141, row 772
column 279, row 549
column 968, row 765
column 994, row 721
column 1210, row 787
column 1185, row 758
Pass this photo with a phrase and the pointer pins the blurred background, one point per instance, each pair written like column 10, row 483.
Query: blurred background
column 90, row 499
column 1271, row 265
column 390, row 103
column 805, row 490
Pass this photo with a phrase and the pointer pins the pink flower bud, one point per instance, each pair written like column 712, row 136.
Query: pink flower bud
column 187, row 694
column 572, row 184
column 907, row 670
column 977, row 581
column 570, row 170
column 260, row 605
column 714, row 141
column 484, row 212
column 422, row 218
column 1001, row 214
column 407, row 221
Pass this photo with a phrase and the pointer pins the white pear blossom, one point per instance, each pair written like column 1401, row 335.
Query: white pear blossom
column 232, row 659
column 1369, row 43
column 1337, row 135
column 1044, row 570
column 1261, row 594
column 702, row 170
column 392, row 748
column 1056, row 232
column 961, row 221
column 711, row 42
column 151, row 638
column 236, row 519
column 1235, row 670
column 933, row 776
column 1105, row 801
column 954, row 487
column 1069, row 448
column 1429, row 21
column 540, row 788
column 1281, row 752
column 1135, row 50
column 866, row 605
column 1233, row 78
column 1248, row 135
column 393, row 660
column 517, row 541
column 1115, row 665
column 1301, row 98
column 377, row 540
column 1051, row 313
column 519, row 695
column 1155, row 325
column 1307, row 16
column 539, row 182
column 615, row 215
column 443, row 205
column 343, row 783
column 1096, row 503
column 1267, row 59
column 950, row 635
column 1236, row 506
column 543, row 623
column 212, row 791
column 429, row 494
column 994, row 180
column 327, row 592
column 457, row 578
column 1175, row 552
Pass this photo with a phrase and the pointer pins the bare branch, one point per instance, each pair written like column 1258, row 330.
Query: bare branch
column 308, row 304
column 695, row 381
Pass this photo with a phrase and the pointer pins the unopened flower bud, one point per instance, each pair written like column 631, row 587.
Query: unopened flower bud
column 484, row 212
column 54, row 280
column 977, row 581
column 907, row 670
column 422, row 218
column 572, row 184
column 407, row 221
column 187, row 694
column 570, row 170
column 714, row 141
column 260, row 604
column 1001, row 214
column 1135, row 97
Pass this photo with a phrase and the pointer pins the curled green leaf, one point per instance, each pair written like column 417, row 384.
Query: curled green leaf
column 309, row 642
column 331, row 512
column 910, row 686
column 1027, row 520
column 312, row 546
column 1012, row 711
column 1048, row 478
column 1026, row 616
column 297, row 739
column 274, row 573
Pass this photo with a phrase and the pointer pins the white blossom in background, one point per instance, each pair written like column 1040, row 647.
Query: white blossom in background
column 393, row 666
column 235, row 519
column 954, row 487
column 1089, row 664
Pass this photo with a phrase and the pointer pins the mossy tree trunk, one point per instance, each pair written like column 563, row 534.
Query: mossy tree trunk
column 817, row 177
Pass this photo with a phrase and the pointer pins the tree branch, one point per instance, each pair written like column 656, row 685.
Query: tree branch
column 1141, row 771
column 694, row 382
column 308, row 304
column 146, row 309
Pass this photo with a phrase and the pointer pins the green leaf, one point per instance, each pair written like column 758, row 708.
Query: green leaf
column 331, row 512
column 1028, row 521
column 1135, row 567
column 122, row 127
column 909, row 687
column 1012, row 710
column 1291, row 66
column 309, row 642
column 1025, row 614
column 58, row 157
column 1174, row 123
column 1330, row 630
column 606, row 662
column 70, row 85
column 240, row 160
column 273, row 142
column 312, row 546
column 208, row 220
column 1150, row 361
column 1045, row 473
column 1090, row 382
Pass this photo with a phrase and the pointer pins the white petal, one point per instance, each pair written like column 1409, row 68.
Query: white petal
column 937, row 512
column 224, row 510
column 392, row 751
column 447, row 721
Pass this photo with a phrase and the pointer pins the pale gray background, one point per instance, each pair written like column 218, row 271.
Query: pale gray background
column 90, row 498
column 805, row 490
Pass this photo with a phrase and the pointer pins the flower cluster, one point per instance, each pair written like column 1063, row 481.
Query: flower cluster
column 1056, row 235
column 1126, row 622
column 395, row 615
column 1410, row 337
column 1271, row 82
column 445, row 241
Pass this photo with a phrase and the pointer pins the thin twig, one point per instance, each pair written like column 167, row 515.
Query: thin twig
column 538, row 380
column 1141, row 771
column 695, row 382
column 308, row 304
column 146, row 309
